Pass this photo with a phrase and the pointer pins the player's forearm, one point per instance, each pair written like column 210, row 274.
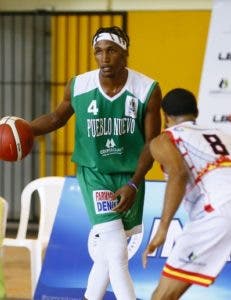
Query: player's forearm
column 174, row 194
column 45, row 124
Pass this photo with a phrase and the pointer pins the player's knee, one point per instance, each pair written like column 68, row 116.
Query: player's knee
column 118, row 259
column 117, row 252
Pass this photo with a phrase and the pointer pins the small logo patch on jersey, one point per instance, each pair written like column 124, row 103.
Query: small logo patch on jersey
column 131, row 107
column 110, row 143
column 111, row 149
column 103, row 201
column 192, row 256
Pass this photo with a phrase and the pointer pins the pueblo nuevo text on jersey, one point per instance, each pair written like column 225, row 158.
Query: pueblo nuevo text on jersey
column 110, row 126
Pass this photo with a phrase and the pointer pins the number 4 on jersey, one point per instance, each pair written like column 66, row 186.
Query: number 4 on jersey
column 92, row 108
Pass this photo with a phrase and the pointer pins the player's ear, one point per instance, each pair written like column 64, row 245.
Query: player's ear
column 165, row 120
column 124, row 54
column 170, row 121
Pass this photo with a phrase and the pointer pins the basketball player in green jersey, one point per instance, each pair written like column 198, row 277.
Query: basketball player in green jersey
column 117, row 114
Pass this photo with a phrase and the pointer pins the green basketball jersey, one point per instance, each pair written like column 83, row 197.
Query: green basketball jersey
column 109, row 131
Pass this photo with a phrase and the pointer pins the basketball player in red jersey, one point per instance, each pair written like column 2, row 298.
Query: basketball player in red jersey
column 197, row 162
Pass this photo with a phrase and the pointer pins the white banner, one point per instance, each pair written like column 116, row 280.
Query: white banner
column 215, row 88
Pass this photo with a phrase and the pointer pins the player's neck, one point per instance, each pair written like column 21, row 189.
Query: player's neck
column 113, row 85
column 175, row 120
column 185, row 118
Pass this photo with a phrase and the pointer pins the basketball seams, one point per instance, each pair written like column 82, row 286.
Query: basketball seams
column 11, row 122
column 5, row 119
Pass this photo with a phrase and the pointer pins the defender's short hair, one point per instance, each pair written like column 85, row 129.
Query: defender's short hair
column 178, row 102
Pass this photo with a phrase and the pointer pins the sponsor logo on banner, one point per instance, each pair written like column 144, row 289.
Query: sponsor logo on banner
column 224, row 83
column 215, row 87
column 221, row 118
column 224, row 56
column 67, row 263
column 103, row 201
column 222, row 87
column 134, row 243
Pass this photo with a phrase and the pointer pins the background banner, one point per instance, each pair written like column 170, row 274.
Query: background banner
column 215, row 89
column 67, row 261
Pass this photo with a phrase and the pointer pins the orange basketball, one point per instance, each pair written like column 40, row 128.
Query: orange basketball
column 16, row 138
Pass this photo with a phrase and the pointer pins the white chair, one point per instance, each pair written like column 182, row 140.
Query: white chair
column 49, row 190
column 3, row 218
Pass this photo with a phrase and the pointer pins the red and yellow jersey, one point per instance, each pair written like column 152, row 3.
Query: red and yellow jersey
column 207, row 153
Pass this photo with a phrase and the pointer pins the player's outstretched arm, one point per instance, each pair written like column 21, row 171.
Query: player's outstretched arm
column 56, row 119
column 174, row 165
